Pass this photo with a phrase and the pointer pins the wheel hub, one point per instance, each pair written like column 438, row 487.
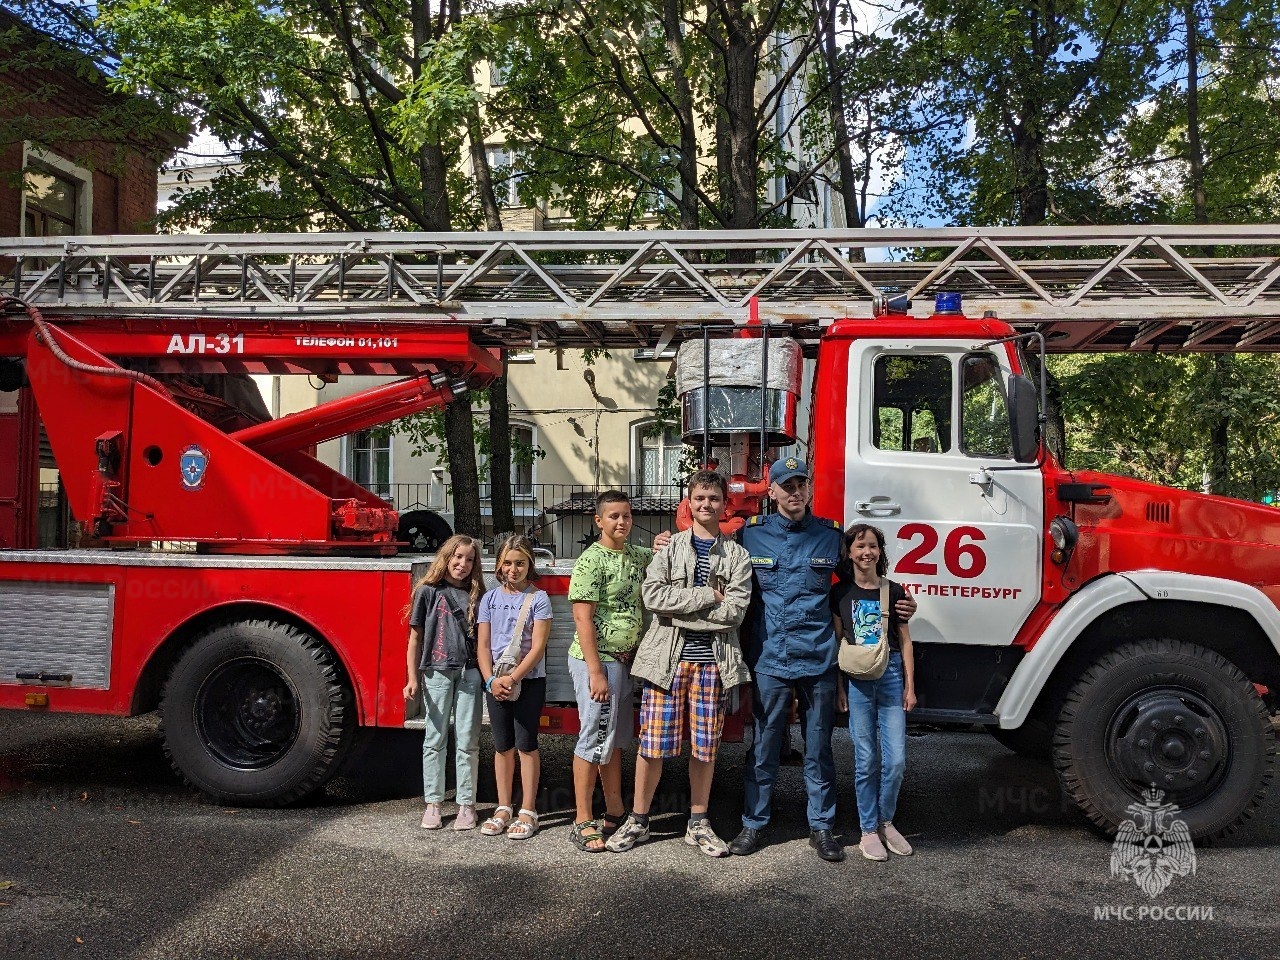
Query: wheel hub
column 247, row 713
column 1170, row 739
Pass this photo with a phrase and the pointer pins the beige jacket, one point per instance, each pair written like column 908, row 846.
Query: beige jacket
column 677, row 606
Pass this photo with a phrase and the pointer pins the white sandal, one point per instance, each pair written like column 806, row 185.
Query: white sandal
column 496, row 826
column 523, row 829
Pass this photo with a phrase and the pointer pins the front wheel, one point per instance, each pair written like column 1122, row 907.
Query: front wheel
column 1169, row 716
column 256, row 713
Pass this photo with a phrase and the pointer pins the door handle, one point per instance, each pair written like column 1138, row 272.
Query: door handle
column 878, row 507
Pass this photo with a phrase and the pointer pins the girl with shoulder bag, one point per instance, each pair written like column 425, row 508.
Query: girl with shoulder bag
column 442, row 663
column 878, row 685
column 514, row 624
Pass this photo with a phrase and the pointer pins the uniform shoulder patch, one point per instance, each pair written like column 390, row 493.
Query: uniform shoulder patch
column 754, row 519
column 836, row 524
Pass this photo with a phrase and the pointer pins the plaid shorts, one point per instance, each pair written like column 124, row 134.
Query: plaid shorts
column 694, row 706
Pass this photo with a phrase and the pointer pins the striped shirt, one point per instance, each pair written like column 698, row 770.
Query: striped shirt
column 697, row 646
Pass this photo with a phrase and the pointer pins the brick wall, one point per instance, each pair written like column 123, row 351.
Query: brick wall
column 90, row 126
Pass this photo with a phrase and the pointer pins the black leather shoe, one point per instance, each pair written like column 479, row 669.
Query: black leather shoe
column 745, row 843
column 827, row 845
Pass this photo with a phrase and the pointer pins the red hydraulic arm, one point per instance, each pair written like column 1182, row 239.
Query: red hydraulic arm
column 350, row 414
column 139, row 466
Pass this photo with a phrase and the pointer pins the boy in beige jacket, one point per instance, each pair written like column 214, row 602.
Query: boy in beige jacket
column 697, row 590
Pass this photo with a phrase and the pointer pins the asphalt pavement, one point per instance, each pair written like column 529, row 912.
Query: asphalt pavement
column 104, row 854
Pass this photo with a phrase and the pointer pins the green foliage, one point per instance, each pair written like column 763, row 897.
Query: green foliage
column 1034, row 96
column 342, row 115
column 1151, row 417
column 1238, row 114
column 425, row 433
column 623, row 112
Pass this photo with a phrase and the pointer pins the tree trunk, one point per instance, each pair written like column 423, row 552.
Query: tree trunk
column 499, row 419
column 1218, row 440
column 854, row 217
column 687, row 163
column 1195, row 151
column 740, row 63
column 504, row 520
column 460, row 441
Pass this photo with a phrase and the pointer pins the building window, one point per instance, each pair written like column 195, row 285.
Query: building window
column 369, row 461
column 504, row 164
column 57, row 195
column 524, row 453
column 522, row 459
column 657, row 457
column 498, row 74
column 50, row 204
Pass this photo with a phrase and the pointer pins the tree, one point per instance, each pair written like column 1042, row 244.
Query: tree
column 346, row 114
column 1204, row 149
column 663, row 108
column 1035, row 92
column 1151, row 416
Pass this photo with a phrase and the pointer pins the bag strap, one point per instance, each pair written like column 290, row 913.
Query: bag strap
column 513, row 645
column 884, row 609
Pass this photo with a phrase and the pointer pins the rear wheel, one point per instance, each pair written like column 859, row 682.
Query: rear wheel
column 1167, row 715
column 256, row 713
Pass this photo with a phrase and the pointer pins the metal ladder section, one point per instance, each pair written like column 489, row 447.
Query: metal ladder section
column 1167, row 288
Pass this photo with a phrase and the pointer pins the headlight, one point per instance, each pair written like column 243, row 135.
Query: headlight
column 1064, row 533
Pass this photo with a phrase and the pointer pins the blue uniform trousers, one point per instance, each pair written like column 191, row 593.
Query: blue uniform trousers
column 817, row 706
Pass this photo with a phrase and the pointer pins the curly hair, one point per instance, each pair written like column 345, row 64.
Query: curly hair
column 845, row 569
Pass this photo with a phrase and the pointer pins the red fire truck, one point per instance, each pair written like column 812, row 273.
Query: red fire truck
column 255, row 595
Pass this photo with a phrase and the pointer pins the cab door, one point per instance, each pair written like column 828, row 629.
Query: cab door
column 925, row 420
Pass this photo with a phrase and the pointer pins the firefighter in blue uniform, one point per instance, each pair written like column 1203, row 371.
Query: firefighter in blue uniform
column 791, row 649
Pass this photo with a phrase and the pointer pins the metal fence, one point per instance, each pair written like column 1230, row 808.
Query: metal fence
column 559, row 515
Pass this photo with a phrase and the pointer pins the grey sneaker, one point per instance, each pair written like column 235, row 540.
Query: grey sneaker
column 627, row 835
column 872, row 848
column 466, row 818
column 894, row 840
column 701, row 835
column 431, row 817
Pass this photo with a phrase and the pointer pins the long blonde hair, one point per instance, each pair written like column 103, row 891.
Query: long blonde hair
column 439, row 569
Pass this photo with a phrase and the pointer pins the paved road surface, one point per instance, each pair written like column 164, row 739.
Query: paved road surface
column 105, row 855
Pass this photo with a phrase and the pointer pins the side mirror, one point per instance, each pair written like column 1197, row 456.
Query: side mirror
column 1024, row 416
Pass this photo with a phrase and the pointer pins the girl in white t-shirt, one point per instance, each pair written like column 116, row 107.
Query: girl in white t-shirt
column 514, row 720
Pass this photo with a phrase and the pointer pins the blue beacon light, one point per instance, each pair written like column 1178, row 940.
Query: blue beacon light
column 947, row 303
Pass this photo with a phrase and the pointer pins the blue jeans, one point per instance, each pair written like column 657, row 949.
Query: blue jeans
column 769, row 710
column 878, row 726
column 451, row 698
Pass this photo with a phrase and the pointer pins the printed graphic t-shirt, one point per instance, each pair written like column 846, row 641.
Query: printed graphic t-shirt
column 859, row 611
column 451, row 603
column 611, row 580
column 500, row 610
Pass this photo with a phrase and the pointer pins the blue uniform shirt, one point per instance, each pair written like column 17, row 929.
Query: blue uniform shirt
column 792, row 563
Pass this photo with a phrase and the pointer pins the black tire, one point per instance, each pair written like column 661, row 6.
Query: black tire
column 1033, row 740
column 1172, row 715
column 257, row 713
column 423, row 531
